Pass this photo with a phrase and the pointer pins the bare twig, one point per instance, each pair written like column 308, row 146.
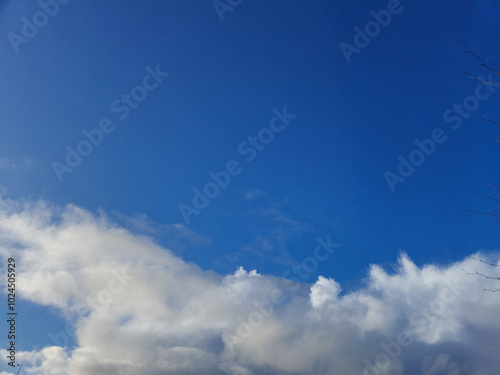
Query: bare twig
column 494, row 66
column 491, row 213
column 491, row 83
column 492, row 290
column 483, row 261
column 490, row 120
column 487, row 197
column 481, row 274
column 495, row 72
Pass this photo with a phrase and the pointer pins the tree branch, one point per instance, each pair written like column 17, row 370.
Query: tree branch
column 490, row 120
column 481, row 274
column 495, row 72
column 483, row 261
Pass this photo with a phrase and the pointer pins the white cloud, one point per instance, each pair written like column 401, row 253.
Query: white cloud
column 152, row 313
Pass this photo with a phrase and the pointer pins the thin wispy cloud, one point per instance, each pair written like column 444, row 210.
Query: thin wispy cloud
column 272, row 229
column 6, row 163
column 253, row 193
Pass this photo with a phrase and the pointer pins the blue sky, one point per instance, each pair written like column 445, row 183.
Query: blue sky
column 322, row 175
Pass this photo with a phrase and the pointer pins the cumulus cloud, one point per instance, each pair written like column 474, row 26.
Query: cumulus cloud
column 138, row 308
